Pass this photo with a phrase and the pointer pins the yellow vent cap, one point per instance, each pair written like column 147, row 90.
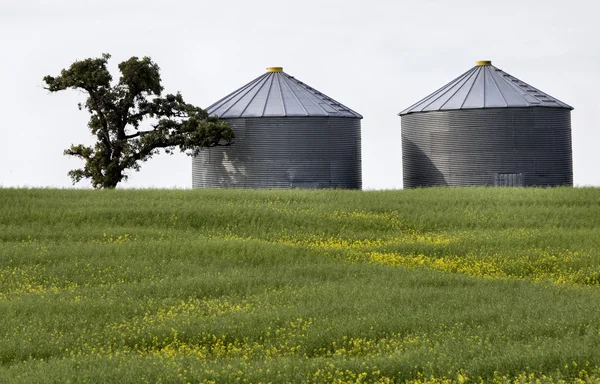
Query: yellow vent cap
column 483, row 62
column 275, row 69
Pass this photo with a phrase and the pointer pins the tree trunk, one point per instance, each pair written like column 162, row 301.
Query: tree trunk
column 110, row 184
column 113, row 176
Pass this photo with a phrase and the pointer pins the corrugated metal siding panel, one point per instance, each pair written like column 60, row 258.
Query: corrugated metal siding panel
column 285, row 152
column 471, row 147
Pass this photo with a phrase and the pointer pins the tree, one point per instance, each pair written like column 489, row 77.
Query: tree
column 118, row 111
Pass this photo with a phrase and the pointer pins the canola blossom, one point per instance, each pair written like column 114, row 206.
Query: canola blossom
column 427, row 286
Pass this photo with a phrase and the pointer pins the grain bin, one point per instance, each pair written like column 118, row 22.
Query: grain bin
column 287, row 135
column 487, row 128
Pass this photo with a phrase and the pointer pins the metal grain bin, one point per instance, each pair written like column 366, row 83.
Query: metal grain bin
column 287, row 135
column 487, row 128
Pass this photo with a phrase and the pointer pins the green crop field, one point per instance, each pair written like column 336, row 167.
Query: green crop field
column 417, row 286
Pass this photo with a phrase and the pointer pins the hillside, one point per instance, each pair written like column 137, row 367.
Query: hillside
column 422, row 286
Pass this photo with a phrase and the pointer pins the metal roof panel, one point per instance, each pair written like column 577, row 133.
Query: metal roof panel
column 485, row 86
column 276, row 93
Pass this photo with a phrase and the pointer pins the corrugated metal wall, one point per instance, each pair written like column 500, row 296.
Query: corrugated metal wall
column 497, row 146
column 284, row 152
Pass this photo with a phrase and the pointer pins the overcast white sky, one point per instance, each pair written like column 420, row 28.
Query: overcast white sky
column 377, row 57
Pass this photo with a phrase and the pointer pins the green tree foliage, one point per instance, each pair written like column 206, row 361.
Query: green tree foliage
column 118, row 111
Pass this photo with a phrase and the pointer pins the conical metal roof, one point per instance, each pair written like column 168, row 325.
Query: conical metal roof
column 485, row 86
column 276, row 94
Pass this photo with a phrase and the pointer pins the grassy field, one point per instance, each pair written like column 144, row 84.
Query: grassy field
column 418, row 286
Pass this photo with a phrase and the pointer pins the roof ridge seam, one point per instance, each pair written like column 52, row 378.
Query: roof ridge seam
column 281, row 96
column 470, row 88
column 295, row 97
column 232, row 95
column 255, row 94
column 514, row 87
column 409, row 109
column 249, row 88
column 320, row 96
column 267, row 98
column 459, row 88
column 497, row 87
